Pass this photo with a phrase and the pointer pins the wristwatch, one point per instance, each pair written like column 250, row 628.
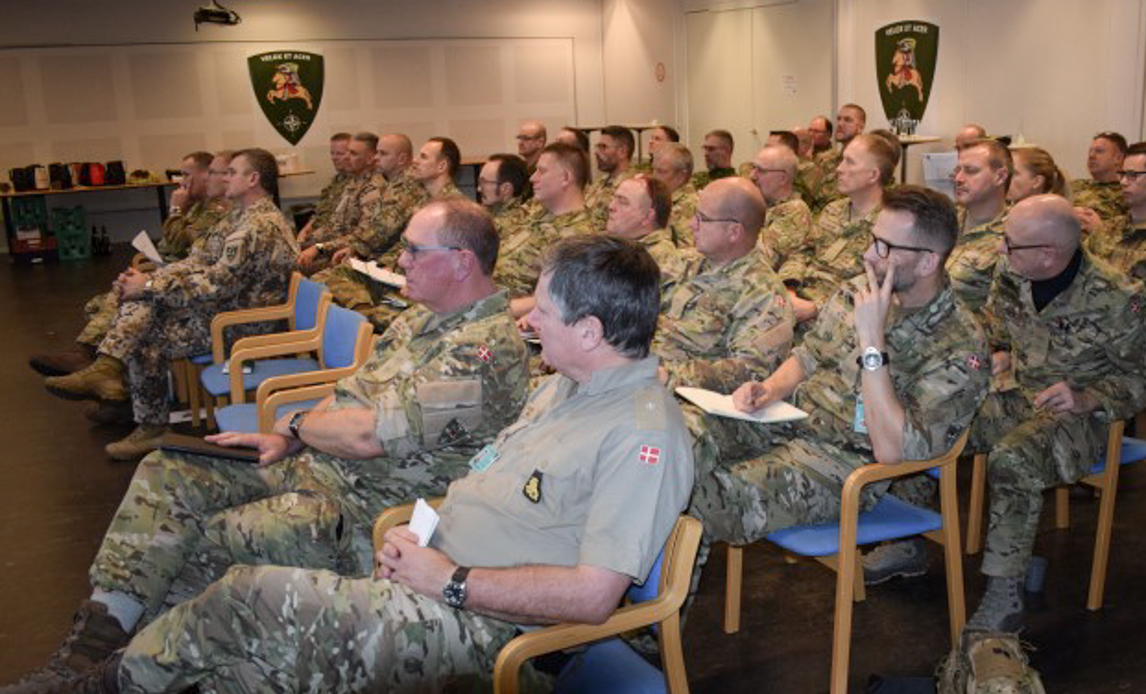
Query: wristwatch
column 296, row 422
column 321, row 247
column 872, row 359
column 455, row 591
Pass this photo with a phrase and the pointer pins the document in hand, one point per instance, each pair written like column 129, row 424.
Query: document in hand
column 721, row 405
column 142, row 243
column 423, row 522
column 381, row 274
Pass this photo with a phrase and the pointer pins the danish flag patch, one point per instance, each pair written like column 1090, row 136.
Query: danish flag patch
column 974, row 362
column 485, row 354
column 650, row 455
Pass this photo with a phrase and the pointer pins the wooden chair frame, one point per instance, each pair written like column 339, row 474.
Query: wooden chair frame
column 1106, row 482
column 664, row 610
column 848, row 563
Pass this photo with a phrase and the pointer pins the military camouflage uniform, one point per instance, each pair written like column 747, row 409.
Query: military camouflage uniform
column 609, row 467
column 834, row 253
column 1090, row 336
column 1121, row 244
column 684, row 201
column 787, row 230
column 327, row 199
column 724, row 325
column 389, row 259
column 439, row 386
column 519, row 259
column 971, row 264
column 1103, row 198
column 508, row 215
column 827, row 191
column 939, row 369
column 171, row 318
column 598, row 196
column 809, row 178
column 356, row 207
column 702, row 178
column 669, row 259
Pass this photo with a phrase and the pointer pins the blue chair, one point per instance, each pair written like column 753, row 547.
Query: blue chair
column 608, row 664
column 304, row 311
column 1120, row 450
column 836, row 546
column 342, row 348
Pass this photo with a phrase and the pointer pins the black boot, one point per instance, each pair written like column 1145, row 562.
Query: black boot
column 95, row 636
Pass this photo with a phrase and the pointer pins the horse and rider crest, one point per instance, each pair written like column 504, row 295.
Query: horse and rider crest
column 905, row 57
column 288, row 87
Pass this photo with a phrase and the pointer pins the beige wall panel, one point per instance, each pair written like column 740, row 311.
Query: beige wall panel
column 232, row 82
column 13, row 102
column 719, row 80
column 402, row 76
column 78, row 88
column 238, row 139
column 341, row 88
column 166, row 151
column 473, row 75
column 540, row 74
column 480, row 137
column 417, row 131
column 165, row 85
column 14, row 154
column 99, row 149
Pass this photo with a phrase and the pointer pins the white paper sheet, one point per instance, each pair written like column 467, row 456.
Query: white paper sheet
column 381, row 274
column 423, row 522
column 721, row 405
column 142, row 243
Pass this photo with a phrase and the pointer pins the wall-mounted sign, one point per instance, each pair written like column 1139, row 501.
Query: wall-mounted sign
column 288, row 87
column 905, row 57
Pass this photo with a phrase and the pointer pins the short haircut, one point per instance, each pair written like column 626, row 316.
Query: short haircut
column 225, row 154
column 998, row 155
column 787, row 138
column 573, row 158
column 1136, row 148
column 659, row 197
column 449, row 150
column 340, row 137
column 581, row 135
column 265, row 165
column 679, row 154
column 1040, row 163
column 858, row 109
column 670, row 132
column 827, row 123
column 934, row 219
column 1115, row 139
column 511, row 169
column 369, row 138
column 468, row 225
column 612, row 279
column 885, row 156
column 200, row 159
column 622, row 135
column 892, row 141
column 404, row 144
column 722, row 135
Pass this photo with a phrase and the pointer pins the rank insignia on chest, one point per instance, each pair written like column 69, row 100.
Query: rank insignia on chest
column 649, row 455
column 485, row 354
column 532, row 488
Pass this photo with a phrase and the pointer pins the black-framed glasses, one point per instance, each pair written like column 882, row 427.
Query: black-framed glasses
column 414, row 249
column 705, row 219
column 1012, row 247
column 883, row 248
column 762, row 170
column 1132, row 175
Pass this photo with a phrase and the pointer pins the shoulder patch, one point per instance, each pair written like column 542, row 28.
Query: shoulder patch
column 650, row 409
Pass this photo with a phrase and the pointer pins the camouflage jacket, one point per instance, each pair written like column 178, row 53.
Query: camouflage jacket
column 1121, row 244
column 1091, row 335
column 402, row 197
column 446, row 383
column 354, row 210
column 509, row 215
column 252, row 270
column 939, row 368
column 971, row 265
column 833, row 254
column 827, row 192
column 684, row 200
column 787, row 230
column 809, row 178
column 1103, row 198
column 702, row 178
column 180, row 231
column 389, row 259
column 598, row 196
column 668, row 257
column 328, row 198
column 519, row 258
column 724, row 325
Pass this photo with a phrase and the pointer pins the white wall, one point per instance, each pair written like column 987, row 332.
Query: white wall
column 639, row 34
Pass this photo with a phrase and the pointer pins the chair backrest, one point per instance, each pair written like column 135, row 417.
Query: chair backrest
column 340, row 337
column 306, row 304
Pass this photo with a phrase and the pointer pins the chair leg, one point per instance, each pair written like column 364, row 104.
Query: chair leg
column 732, row 587
column 1101, row 548
column 859, row 590
column 1062, row 507
column 975, row 506
column 179, row 370
column 842, row 621
column 193, row 392
column 953, row 560
column 672, row 655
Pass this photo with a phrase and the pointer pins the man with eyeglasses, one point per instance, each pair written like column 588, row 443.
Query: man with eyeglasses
column 531, row 138
column 503, row 185
column 672, row 165
column 820, row 128
column 788, row 226
column 729, row 319
column 442, row 382
column 982, row 176
column 717, row 147
column 1102, row 191
column 1122, row 241
column 893, row 370
column 1071, row 328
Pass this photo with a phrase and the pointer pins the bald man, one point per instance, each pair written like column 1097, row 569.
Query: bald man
column 729, row 321
column 788, row 225
column 968, row 134
column 1072, row 331
column 531, row 139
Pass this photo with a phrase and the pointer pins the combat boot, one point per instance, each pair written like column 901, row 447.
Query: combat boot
column 111, row 412
column 900, row 559
column 143, row 440
column 67, row 361
column 103, row 380
column 1001, row 609
column 95, row 636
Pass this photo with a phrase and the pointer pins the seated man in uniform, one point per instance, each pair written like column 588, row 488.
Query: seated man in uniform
column 982, row 177
column 729, row 320
column 1071, row 329
column 503, row 186
column 574, row 137
column 893, row 370
column 331, row 193
column 850, row 122
column 821, row 129
column 440, row 385
column 531, row 138
column 614, row 154
column 167, row 315
column 968, row 134
column 1101, row 192
column 196, row 206
column 639, row 212
column 1122, row 241
column 672, row 165
column 567, row 508
column 788, row 226
column 718, row 146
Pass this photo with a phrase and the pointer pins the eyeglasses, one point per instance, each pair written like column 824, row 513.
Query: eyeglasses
column 1011, row 248
column 414, row 249
column 762, row 170
column 702, row 218
column 529, row 137
column 1132, row 175
column 884, row 248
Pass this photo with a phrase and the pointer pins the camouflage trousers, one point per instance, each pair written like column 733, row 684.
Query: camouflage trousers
column 185, row 518
column 1030, row 451
column 350, row 289
column 100, row 311
column 278, row 629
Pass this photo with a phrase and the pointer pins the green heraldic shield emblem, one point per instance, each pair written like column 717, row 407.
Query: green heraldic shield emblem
column 288, row 87
column 905, row 55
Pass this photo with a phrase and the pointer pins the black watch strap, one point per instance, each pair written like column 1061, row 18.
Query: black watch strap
column 296, row 422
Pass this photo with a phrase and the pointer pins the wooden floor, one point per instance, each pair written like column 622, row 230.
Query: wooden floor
column 59, row 492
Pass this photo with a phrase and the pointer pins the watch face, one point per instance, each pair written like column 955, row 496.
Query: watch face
column 455, row 594
column 872, row 361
